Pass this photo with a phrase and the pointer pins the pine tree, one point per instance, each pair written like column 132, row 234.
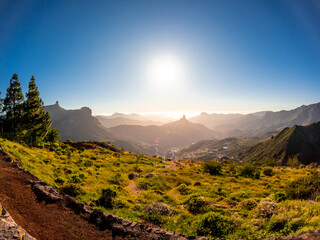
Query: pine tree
column 12, row 106
column 1, row 116
column 1, row 104
column 37, row 122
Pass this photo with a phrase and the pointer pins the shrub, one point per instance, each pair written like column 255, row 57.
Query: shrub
column 195, row 204
column 107, row 198
column 212, row 167
column 248, row 204
column 249, row 170
column 279, row 196
column 268, row 171
column 277, row 223
column 197, row 184
column 76, row 179
column 88, row 163
column 307, row 187
column 158, row 208
column 296, row 223
column 116, row 179
column 183, row 189
column 214, row 225
column 52, row 136
column 59, row 180
column 293, row 162
column 153, row 218
column 72, row 190
column 133, row 175
column 265, row 208
column 271, row 162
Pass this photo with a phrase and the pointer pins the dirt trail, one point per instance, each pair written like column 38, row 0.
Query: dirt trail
column 41, row 220
column 132, row 187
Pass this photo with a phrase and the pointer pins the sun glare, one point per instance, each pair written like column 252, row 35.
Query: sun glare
column 165, row 71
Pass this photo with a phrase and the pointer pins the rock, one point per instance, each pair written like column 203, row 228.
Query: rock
column 9, row 159
column 77, row 206
column 45, row 192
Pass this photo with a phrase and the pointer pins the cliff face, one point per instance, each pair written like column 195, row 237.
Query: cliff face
column 302, row 142
column 77, row 125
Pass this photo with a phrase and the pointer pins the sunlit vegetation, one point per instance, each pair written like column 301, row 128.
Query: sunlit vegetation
column 212, row 199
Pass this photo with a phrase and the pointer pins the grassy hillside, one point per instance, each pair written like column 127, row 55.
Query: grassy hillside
column 300, row 142
column 235, row 202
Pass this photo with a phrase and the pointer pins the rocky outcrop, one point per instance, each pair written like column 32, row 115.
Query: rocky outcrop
column 9, row 229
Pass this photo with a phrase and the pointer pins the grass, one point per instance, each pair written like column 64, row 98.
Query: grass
column 227, row 198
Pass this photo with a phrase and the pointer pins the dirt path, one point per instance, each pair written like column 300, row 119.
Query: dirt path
column 41, row 220
column 132, row 187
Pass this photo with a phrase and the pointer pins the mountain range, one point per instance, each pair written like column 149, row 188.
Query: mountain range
column 260, row 123
column 175, row 134
column 80, row 125
column 131, row 132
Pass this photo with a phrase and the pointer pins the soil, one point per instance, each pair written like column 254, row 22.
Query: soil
column 41, row 220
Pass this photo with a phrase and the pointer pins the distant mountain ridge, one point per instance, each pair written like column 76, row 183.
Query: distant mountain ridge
column 113, row 122
column 80, row 125
column 302, row 142
column 230, row 125
column 175, row 134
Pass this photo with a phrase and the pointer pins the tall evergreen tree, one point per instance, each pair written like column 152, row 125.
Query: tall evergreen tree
column 1, row 104
column 12, row 106
column 37, row 122
column 1, row 116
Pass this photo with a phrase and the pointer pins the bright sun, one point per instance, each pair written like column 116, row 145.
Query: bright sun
column 165, row 71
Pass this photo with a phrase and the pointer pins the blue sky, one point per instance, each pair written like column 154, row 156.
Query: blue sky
column 237, row 56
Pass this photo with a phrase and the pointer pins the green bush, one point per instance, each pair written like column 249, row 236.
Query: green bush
column 307, row 187
column 52, row 136
column 248, row 204
column 88, row 163
column 183, row 189
column 279, row 196
column 212, row 167
column 195, row 204
column 296, row 223
column 277, row 223
column 214, row 224
column 249, row 170
column 293, row 162
column 72, row 190
column 59, row 180
column 268, row 171
column 76, row 179
column 153, row 218
column 116, row 179
column 107, row 198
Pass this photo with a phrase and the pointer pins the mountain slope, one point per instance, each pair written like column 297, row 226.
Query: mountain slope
column 213, row 149
column 302, row 142
column 80, row 125
column 175, row 134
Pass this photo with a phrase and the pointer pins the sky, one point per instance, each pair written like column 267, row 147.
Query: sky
column 164, row 56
